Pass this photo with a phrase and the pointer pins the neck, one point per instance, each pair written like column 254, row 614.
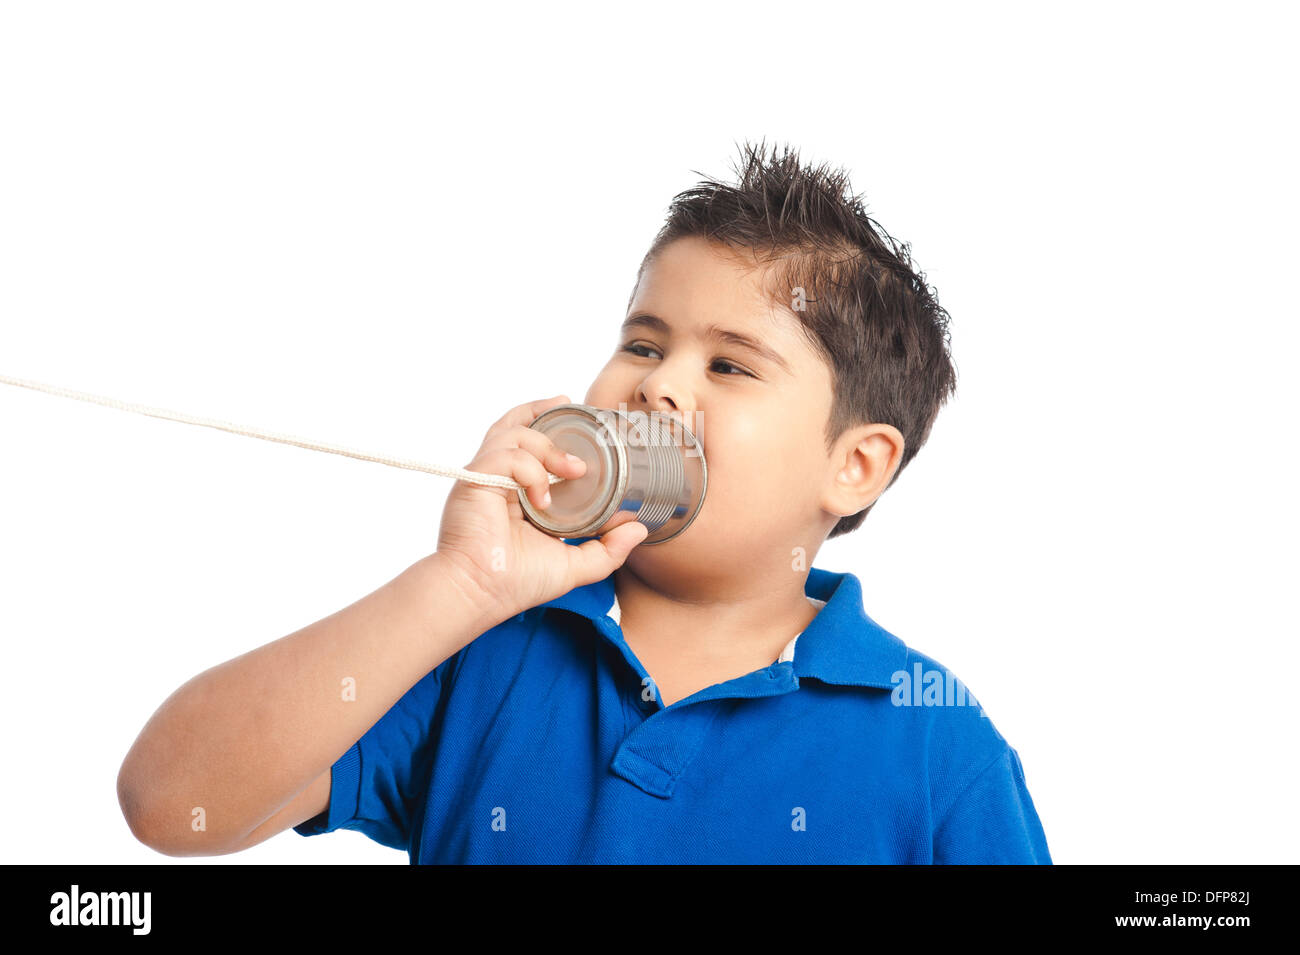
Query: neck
column 745, row 621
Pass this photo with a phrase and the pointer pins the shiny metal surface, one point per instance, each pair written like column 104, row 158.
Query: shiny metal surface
column 647, row 468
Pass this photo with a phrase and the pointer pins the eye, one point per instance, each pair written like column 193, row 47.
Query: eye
column 633, row 349
column 730, row 365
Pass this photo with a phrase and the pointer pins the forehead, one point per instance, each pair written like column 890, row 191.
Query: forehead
column 692, row 282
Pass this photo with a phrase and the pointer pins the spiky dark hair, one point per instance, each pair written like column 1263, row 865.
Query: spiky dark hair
column 862, row 305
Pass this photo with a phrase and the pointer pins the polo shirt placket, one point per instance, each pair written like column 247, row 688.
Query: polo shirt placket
column 658, row 751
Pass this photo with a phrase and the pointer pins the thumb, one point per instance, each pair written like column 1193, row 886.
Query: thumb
column 596, row 559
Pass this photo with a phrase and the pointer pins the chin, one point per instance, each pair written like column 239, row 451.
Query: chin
column 681, row 553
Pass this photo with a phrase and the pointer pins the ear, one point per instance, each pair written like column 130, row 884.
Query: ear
column 863, row 463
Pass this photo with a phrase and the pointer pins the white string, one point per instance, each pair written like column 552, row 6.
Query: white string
column 459, row 474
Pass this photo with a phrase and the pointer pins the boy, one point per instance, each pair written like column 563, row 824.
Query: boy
column 517, row 698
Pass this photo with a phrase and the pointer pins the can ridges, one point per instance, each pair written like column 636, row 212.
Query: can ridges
column 651, row 475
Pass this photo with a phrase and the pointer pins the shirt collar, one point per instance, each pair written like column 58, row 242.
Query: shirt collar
column 842, row 645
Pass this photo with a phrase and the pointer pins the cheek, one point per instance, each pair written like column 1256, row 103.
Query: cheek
column 740, row 455
column 752, row 438
column 760, row 461
column 610, row 387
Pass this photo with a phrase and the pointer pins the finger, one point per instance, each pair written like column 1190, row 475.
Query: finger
column 526, row 413
column 519, row 465
column 595, row 560
column 555, row 459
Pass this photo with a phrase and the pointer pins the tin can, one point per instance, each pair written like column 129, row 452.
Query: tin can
column 640, row 467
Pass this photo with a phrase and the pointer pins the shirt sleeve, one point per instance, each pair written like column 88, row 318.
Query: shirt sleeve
column 377, row 785
column 993, row 820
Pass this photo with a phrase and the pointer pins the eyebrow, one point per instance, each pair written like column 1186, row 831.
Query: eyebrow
column 711, row 333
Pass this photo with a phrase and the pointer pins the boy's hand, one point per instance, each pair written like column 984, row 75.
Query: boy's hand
column 486, row 538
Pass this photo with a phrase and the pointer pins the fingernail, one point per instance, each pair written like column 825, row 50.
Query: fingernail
column 572, row 458
column 546, row 499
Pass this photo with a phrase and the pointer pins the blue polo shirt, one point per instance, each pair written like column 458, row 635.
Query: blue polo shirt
column 541, row 741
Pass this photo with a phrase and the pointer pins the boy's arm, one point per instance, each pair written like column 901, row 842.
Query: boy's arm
column 308, row 804
column 252, row 741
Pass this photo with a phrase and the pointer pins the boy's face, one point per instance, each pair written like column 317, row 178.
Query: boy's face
column 761, row 423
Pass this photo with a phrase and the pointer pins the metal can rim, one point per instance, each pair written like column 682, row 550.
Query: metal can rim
column 615, row 495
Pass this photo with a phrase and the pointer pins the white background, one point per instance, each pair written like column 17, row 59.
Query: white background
column 382, row 225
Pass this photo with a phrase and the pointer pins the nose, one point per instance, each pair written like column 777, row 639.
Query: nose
column 657, row 394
